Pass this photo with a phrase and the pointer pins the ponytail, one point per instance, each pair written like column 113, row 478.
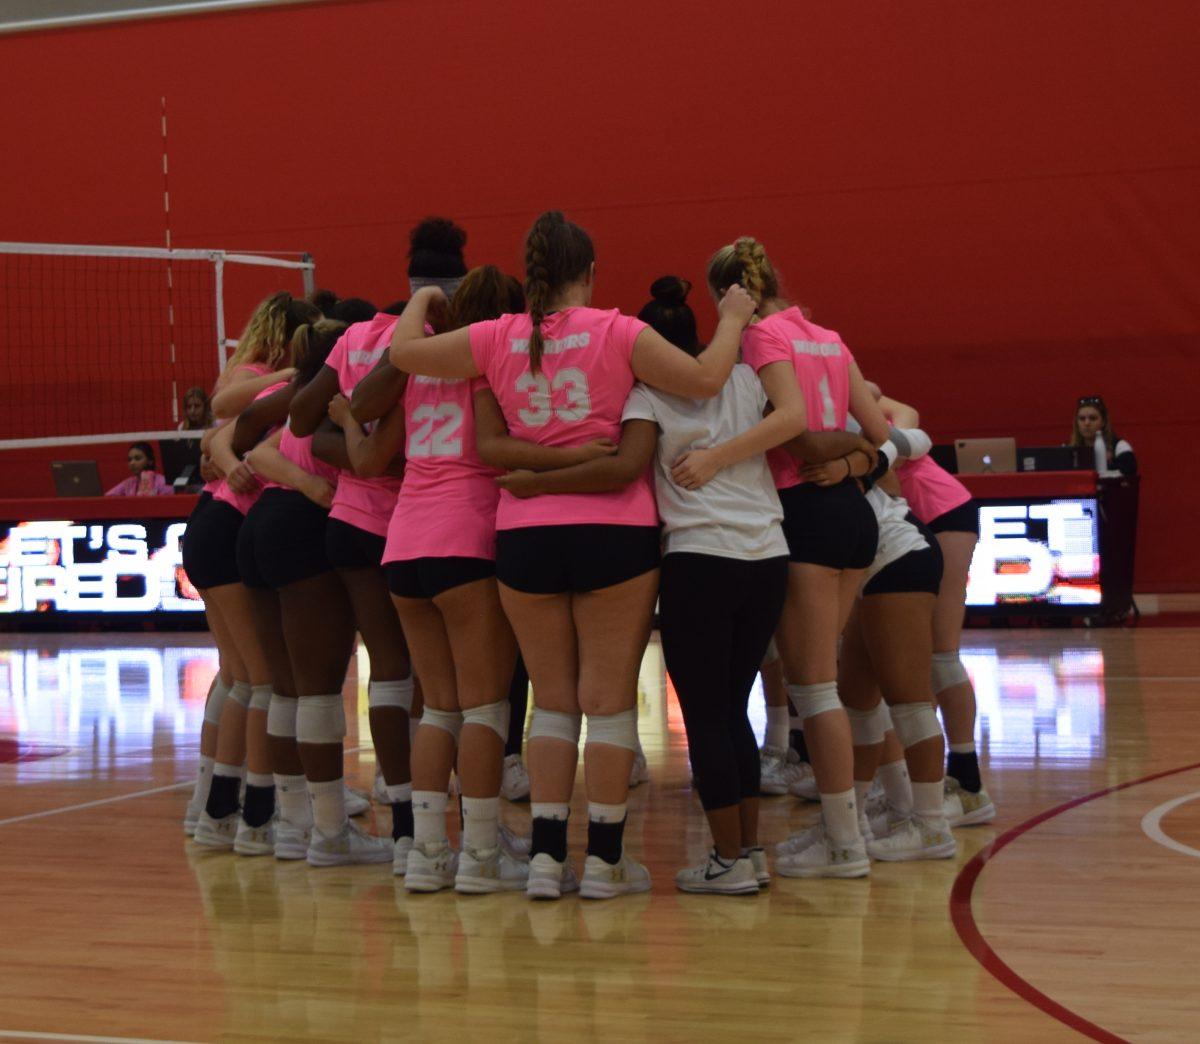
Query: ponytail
column 557, row 252
column 744, row 262
column 311, row 345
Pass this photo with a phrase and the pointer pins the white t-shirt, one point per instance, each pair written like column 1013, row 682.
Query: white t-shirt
column 897, row 536
column 737, row 513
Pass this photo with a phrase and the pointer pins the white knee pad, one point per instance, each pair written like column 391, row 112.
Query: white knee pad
column 320, row 719
column 555, row 725
column 493, row 715
column 447, row 721
column 811, row 700
column 281, row 716
column 218, row 693
column 239, row 692
column 772, row 653
column 868, row 727
column 616, row 730
column 915, row 722
column 260, row 697
column 947, row 671
column 391, row 694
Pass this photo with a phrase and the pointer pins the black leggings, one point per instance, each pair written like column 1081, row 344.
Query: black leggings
column 717, row 617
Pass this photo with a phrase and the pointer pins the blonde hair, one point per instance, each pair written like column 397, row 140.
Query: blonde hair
column 744, row 261
column 266, row 339
column 311, row 344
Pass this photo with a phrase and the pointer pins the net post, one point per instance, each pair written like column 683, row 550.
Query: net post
column 218, row 260
column 308, row 275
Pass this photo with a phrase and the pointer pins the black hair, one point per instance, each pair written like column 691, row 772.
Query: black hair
column 147, row 452
column 670, row 314
column 323, row 299
column 350, row 310
column 436, row 250
column 395, row 308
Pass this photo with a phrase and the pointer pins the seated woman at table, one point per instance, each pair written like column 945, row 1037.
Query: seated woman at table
column 144, row 480
column 1091, row 421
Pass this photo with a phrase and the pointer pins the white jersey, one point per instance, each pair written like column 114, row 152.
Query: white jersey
column 737, row 513
column 897, row 535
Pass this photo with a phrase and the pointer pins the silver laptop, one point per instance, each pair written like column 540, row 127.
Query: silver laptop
column 985, row 456
column 76, row 478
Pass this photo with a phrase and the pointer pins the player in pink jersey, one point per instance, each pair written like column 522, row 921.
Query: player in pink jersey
column 578, row 573
column 211, row 533
column 831, row 535
column 440, row 562
column 944, row 504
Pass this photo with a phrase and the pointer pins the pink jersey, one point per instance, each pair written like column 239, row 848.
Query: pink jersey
column 822, row 364
column 447, row 504
column 258, row 369
column 578, row 396
column 930, row 490
column 245, row 501
column 366, row 503
column 299, row 452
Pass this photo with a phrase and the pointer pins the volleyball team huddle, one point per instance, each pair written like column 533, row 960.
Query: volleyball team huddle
column 500, row 480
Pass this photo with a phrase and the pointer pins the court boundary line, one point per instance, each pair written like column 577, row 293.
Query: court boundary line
column 963, row 917
column 1152, row 825
column 112, row 800
column 85, row 1038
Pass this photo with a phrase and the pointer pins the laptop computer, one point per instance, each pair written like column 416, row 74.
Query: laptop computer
column 1055, row 458
column 985, row 456
column 76, row 478
column 180, row 459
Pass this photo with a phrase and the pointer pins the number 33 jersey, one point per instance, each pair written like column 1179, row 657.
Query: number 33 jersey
column 447, row 503
column 822, row 365
column 578, row 395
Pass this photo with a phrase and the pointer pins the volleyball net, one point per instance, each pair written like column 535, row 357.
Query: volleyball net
column 101, row 343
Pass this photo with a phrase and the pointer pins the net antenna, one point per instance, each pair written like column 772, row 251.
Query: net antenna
column 100, row 341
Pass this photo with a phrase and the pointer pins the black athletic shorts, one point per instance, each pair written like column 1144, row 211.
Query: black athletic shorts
column 918, row 572
column 348, row 547
column 576, row 558
column 429, row 577
column 962, row 519
column 210, row 544
column 283, row 540
column 832, row 526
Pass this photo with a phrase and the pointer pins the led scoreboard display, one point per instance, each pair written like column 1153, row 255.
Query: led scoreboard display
column 94, row 567
column 1039, row 552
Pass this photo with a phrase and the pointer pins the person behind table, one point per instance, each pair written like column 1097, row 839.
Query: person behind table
column 1091, row 419
column 144, row 480
column 197, row 413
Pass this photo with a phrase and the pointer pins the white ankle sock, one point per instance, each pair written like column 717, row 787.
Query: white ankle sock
column 429, row 817
column 236, row 771
column 204, row 775
column 777, row 728
column 861, row 790
column 399, row 792
column 550, row 810
column 599, row 813
column 963, row 748
column 840, row 812
column 481, row 823
column 896, row 785
column 294, row 805
column 927, row 799
column 328, row 806
column 260, row 779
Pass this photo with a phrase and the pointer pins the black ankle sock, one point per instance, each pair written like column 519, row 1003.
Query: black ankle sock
column 796, row 736
column 964, row 768
column 259, row 805
column 549, row 836
column 402, row 821
column 604, row 840
column 223, row 796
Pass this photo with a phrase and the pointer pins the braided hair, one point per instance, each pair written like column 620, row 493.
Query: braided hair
column 744, row 261
column 557, row 252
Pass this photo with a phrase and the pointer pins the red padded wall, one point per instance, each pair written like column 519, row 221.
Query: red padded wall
column 996, row 203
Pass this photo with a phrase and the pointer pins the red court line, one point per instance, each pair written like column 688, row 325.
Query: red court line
column 972, row 938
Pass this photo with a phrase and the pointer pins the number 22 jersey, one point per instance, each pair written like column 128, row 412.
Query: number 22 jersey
column 578, row 395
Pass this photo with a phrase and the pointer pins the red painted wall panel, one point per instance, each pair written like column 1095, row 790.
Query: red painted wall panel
column 996, row 203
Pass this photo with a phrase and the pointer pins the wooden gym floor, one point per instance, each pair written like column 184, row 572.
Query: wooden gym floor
column 1076, row 914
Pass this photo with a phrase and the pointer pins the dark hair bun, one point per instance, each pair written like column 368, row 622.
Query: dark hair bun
column 438, row 234
column 670, row 290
